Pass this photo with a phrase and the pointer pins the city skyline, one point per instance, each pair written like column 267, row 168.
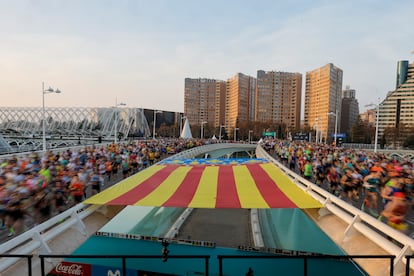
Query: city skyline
column 96, row 52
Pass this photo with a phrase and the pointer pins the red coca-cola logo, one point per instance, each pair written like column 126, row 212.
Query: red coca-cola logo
column 67, row 268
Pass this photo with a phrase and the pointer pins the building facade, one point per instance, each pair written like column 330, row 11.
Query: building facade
column 203, row 101
column 278, row 98
column 323, row 96
column 397, row 109
column 349, row 110
column 369, row 116
column 239, row 107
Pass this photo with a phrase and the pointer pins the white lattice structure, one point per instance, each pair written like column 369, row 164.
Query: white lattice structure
column 79, row 122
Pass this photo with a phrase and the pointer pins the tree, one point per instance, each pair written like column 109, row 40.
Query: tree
column 397, row 134
column 361, row 133
column 409, row 142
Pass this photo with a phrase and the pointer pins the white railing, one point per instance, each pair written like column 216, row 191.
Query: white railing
column 40, row 235
column 175, row 228
column 193, row 152
column 356, row 219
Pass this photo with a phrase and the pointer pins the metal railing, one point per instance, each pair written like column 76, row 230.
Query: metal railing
column 373, row 229
column 21, row 256
column 389, row 239
column 206, row 258
column 124, row 258
column 305, row 259
column 40, row 235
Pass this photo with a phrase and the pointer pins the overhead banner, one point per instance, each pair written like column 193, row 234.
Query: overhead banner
column 208, row 183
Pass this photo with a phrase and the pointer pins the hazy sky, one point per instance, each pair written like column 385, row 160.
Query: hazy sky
column 139, row 52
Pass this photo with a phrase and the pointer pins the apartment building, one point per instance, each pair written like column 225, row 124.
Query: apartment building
column 397, row 109
column 203, row 101
column 240, row 91
column 323, row 97
column 278, row 98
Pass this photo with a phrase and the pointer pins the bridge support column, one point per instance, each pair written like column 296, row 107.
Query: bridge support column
column 350, row 230
column 324, row 211
column 80, row 225
column 44, row 248
column 399, row 266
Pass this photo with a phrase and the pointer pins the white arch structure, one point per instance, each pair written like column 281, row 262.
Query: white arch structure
column 85, row 122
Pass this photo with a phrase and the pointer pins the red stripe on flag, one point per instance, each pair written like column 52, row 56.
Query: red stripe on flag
column 270, row 192
column 185, row 192
column 143, row 189
column 227, row 196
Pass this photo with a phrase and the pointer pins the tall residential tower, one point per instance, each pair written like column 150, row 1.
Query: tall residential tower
column 240, row 92
column 203, row 100
column 349, row 110
column 278, row 98
column 397, row 110
column 323, row 94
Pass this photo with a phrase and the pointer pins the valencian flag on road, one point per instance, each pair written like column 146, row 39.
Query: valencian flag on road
column 208, row 183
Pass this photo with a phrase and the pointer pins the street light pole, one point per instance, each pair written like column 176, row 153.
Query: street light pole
column 47, row 91
column 116, row 119
column 336, row 126
column 336, row 123
column 376, row 128
column 250, row 131
column 235, row 132
column 317, row 130
column 155, row 121
column 221, row 126
column 202, row 129
column 376, row 124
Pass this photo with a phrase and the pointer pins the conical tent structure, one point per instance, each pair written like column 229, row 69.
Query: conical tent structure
column 186, row 133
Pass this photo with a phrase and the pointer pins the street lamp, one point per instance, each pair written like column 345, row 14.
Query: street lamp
column 336, row 122
column 376, row 124
column 235, row 130
column 221, row 126
column 47, row 91
column 317, row 130
column 202, row 129
column 155, row 121
column 250, row 131
column 116, row 119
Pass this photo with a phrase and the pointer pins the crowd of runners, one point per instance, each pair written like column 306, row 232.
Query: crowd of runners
column 383, row 184
column 37, row 186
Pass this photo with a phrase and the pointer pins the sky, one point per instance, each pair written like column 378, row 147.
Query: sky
column 101, row 52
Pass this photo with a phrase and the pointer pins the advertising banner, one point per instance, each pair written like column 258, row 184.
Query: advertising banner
column 71, row 269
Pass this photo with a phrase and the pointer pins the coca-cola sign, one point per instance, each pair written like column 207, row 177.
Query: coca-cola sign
column 71, row 269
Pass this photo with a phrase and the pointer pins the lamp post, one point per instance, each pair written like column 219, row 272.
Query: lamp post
column 202, row 129
column 155, row 121
column 250, row 131
column 336, row 123
column 116, row 119
column 376, row 123
column 317, row 130
column 221, row 126
column 47, row 91
column 235, row 132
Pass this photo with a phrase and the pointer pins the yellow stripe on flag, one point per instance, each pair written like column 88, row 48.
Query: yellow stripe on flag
column 167, row 188
column 249, row 195
column 289, row 188
column 123, row 186
column 205, row 196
